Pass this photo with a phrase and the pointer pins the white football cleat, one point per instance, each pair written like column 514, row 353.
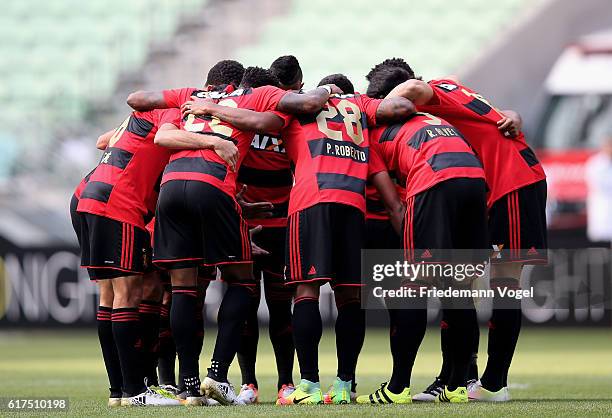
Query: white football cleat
column 431, row 393
column 248, row 394
column 479, row 394
column 222, row 392
column 150, row 398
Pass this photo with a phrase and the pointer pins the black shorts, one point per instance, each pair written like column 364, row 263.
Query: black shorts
column 381, row 235
column 198, row 224
column 273, row 240
column 517, row 226
column 111, row 249
column 324, row 245
column 449, row 216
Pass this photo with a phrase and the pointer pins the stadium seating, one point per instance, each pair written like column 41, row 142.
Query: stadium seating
column 349, row 36
column 60, row 56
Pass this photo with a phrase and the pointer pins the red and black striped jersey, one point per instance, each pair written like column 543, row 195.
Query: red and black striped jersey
column 266, row 171
column 204, row 164
column 331, row 153
column 424, row 151
column 125, row 184
column 509, row 163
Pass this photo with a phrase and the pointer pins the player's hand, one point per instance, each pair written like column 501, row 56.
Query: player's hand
column 253, row 210
column 255, row 249
column 197, row 108
column 228, row 152
column 509, row 126
column 335, row 89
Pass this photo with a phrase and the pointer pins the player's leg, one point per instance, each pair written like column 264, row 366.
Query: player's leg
column 184, row 326
column 179, row 248
column 247, row 351
column 309, row 258
column 408, row 322
column 167, row 351
column 279, row 298
column 107, row 342
column 149, row 310
column 517, row 223
column 232, row 315
column 205, row 276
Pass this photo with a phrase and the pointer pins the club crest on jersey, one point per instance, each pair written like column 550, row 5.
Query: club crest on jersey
column 268, row 143
column 447, row 86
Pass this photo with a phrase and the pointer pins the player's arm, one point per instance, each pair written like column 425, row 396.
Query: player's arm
column 394, row 109
column 104, row 139
column 170, row 136
column 143, row 101
column 417, row 91
column 309, row 102
column 388, row 193
column 243, row 119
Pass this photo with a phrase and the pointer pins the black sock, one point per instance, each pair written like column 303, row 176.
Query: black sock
column 149, row 328
column 200, row 321
column 473, row 369
column 167, row 350
column 247, row 352
column 126, row 332
column 504, row 330
column 232, row 314
column 445, row 347
column 350, row 334
column 109, row 351
column 407, row 329
column 461, row 336
column 278, row 299
column 307, row 331
column 184, row 325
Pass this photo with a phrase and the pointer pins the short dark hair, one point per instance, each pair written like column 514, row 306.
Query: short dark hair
column 257, row 77
column 339, row 80
column 225, row 72
column 385, row 80
column 287, row 69
column 391, row 62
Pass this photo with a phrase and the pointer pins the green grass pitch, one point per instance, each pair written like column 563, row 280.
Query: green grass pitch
column 556, row 372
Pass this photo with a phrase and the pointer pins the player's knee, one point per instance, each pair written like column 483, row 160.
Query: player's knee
column 307, row 290
column 506, row 270
column 184, row 277
column 127, row 291
column 106, row 292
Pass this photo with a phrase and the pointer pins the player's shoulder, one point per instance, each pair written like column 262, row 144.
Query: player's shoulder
column 448, row 85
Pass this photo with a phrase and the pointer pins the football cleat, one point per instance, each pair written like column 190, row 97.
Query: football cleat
column 477, row 393
column 113, row 402
column 248, row 394
column 431, row 393
column 222, row 392
column 150, row 397
column 339, row 393
column 306, row 393
column 284, row 391
column 171, row 389
column 458, row 395
column 382, row 395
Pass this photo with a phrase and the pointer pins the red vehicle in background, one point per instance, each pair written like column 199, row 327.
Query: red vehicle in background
column 577, row 115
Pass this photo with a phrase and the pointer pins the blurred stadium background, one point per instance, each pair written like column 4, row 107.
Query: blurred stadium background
column 68, row 65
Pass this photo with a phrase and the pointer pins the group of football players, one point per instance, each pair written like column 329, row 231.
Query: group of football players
column 250, row 178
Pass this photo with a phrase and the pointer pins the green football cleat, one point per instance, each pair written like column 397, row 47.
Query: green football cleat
column 382, row 395
column 459, row 395
column 339, row 392
column 306, row 393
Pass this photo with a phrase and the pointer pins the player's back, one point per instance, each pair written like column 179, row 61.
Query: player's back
column 509, row 163
column 204, row 164
column 124, row 184
column 330, row 150
column 426, row 150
